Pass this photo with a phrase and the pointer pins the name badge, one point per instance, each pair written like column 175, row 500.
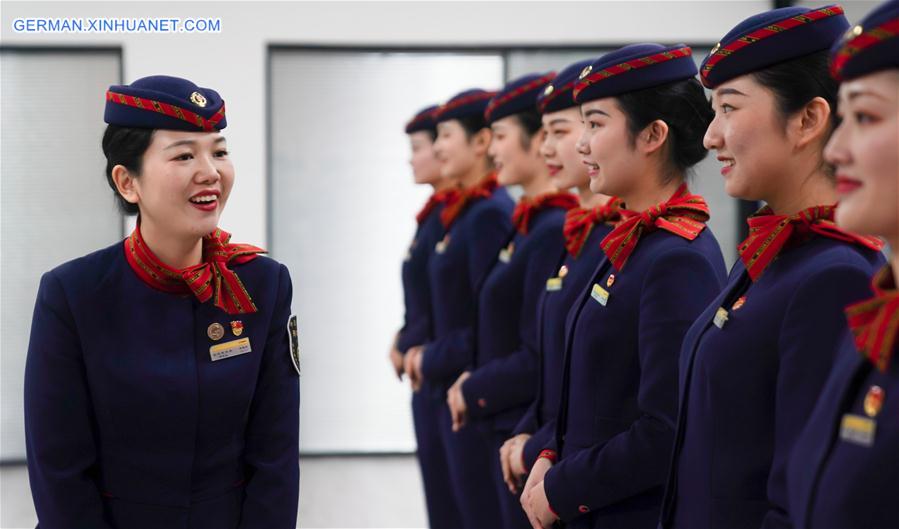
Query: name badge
column 229, row 349
column 505, row 255
column 858, row 430
column 720, row 317
column 553, row 284
column 600, row 294
column 440, row 247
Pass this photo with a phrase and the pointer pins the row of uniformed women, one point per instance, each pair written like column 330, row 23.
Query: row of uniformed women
column 602, row 355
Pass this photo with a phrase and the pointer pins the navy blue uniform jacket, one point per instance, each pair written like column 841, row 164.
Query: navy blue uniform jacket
column 460, row 262
column 130, row 424
column 417, row 326
column 619, row 394
column 504, row 381
column 553, row 308
column 834, row 483
column 748, row 388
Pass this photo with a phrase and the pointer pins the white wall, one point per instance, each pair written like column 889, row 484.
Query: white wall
column 233, row 62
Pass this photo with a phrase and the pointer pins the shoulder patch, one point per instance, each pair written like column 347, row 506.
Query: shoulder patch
column 294, row 340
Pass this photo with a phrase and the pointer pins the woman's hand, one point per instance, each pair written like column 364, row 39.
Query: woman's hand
column 539, row 513
column 412, row 366
column 510, row 457
column 541, row 467
column 396, row 358
column 456, row 402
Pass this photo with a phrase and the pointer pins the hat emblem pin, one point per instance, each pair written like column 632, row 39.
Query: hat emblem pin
column 198, row 99
column 586, row 71
column 853, row 32
column 548, row 90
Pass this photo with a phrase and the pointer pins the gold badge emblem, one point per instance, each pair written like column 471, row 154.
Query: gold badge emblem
column 586, row 71
column 874, row 401
column 563, row 272
column 215, row 331
column 548, row 90
column 739, row 303
column 715, row 49
column 198, row 99
column 610, row 281
column 237, row 327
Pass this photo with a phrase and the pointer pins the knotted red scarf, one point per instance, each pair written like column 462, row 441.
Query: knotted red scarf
column 528, row 207
column 579, row 222
column 875, row 321
column 210, row 279
column 683, row 214
column 770, row 233
column 457, row 202
column 440, row 197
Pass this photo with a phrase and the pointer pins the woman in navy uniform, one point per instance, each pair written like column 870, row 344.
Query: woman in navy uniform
column 477, row 222
column 754, row 363
column 645, row 114
column 844, row 471
column 417, row 326
column 161, row 385
column 501, row 384
column 583, row 229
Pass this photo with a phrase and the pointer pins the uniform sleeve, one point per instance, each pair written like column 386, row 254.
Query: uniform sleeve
column 59, row 418
column 414, row 332
column 543, row 438
column 511, row 380
column 272, row 438
column 678, row 286
column 490, row 229
column 445, row 358
column 810, row 333
column 528, row 422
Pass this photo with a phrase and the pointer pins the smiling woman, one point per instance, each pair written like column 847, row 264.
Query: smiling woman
column 130, row 422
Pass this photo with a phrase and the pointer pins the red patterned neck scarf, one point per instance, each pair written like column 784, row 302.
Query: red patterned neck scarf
column 457, row 202
column 683, row 214
column 210, row 279
column 770, row 233
column 579, row 222
column 528, row 207
column 440, row 197
column 875, row 322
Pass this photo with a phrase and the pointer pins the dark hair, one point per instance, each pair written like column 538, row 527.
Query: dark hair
column 531, row 122
column 798, row 81
column 683, row 106
column 125, row 146
column 472, row 124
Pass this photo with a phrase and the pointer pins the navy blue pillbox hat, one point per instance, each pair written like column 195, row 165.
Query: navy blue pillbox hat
column 633, row 68
column 517, row 96
column 870, row 46
column 423, row 121
column 770, row 38
column 164, row 102
column 559, row 93
column 464, row 104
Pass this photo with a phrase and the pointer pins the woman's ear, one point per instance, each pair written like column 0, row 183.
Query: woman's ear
column 537, row 140
column 812, row 123
column 481, row 141
column 652, row 137
column 125, row 183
